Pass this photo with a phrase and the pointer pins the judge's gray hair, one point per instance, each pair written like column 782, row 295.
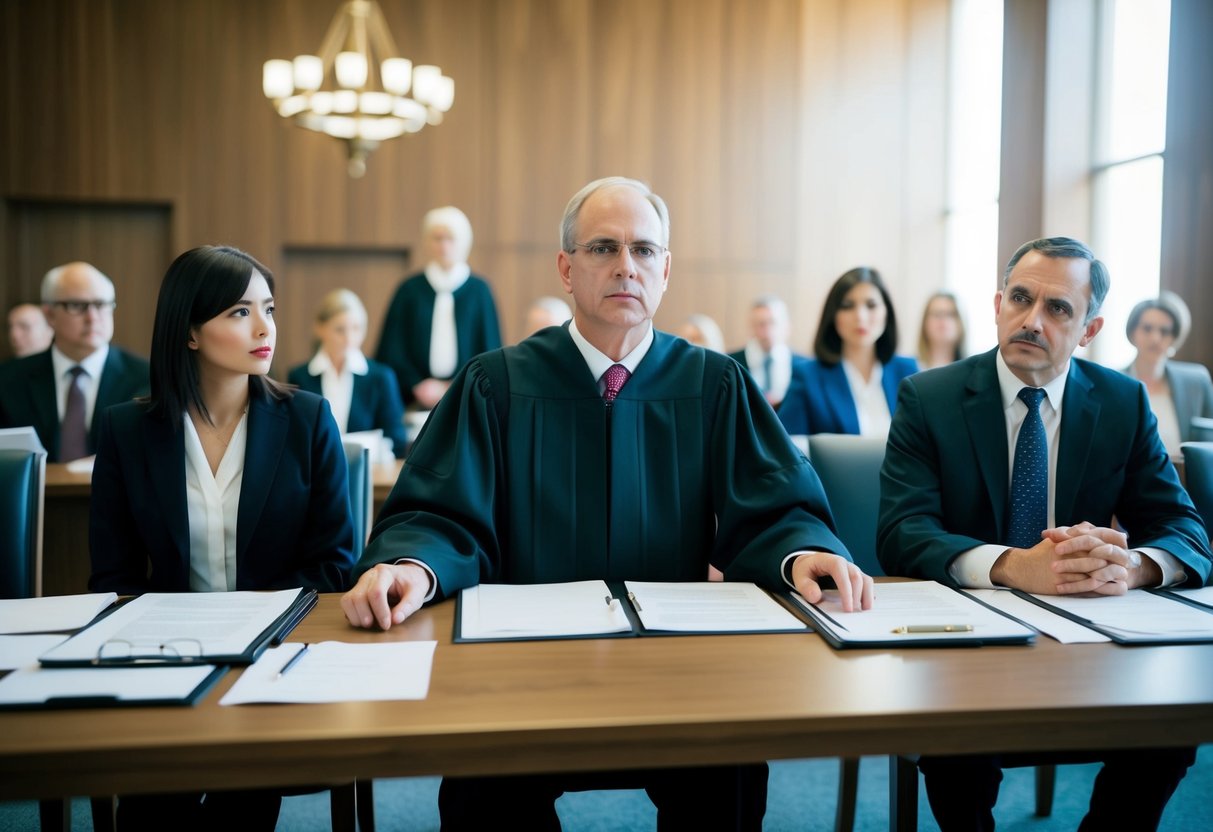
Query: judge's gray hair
column 1067, row 247
column 568, row 225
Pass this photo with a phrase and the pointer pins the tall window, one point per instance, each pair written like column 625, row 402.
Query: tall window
column 974, row 137
column 1129, row 140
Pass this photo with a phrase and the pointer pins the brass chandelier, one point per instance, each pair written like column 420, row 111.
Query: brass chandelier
column 357, row 89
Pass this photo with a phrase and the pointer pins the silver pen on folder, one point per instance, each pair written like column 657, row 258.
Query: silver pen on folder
column 907, row 629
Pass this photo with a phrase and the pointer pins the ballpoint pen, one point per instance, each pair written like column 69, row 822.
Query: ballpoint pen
column 907, row 629
column 294, row 661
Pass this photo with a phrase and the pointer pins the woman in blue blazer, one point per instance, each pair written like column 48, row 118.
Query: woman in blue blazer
column 851, row 386
column 219, row 480
column 363, row 394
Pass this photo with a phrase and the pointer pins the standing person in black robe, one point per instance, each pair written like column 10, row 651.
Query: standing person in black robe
column 440, row 319
column 603, row 449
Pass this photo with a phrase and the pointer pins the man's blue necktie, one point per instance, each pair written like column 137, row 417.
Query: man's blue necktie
column 1030, row 476
column 768, row 364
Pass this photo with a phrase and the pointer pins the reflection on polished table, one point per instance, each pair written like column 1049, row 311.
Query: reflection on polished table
column 65, row 561
column 624, row 703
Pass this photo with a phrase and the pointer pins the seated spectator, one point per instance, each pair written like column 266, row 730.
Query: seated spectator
column 363, row 394
column 28, row 331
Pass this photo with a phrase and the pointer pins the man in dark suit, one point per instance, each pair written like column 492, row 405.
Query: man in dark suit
column 61, row 391
column 1006, row 469
column 767, row 355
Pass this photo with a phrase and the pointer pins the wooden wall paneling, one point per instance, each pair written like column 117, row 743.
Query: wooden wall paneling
column 1187, row 212
column 129, row 243
column 761, row 91
column 543, row 132
column 925, row 160
column 1021, row 196
column 692, row 112
column 309, row 273
column 522, row 275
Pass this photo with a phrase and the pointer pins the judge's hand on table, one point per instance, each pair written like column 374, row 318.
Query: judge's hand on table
column 386, row 594
column 854, row 587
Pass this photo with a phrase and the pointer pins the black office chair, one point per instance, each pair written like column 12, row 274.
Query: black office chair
column 362, row 491
column 849, row 467
column 1198, row 475
column 22, row 474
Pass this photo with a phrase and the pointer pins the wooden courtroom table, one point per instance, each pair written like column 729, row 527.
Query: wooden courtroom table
column 622, row 703
column 65, row 563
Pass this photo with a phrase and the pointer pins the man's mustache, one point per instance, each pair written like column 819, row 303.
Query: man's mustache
column 1029, row 338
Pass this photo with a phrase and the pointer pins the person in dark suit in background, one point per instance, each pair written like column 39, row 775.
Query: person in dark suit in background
column 851, row 386
column 219, row 480
column 62, row 391
column 28, row 330
column 1006, row 469
column 1181, row 393
column 440, row 319
column 363, row 394
column 603, row 449
column 767, row 355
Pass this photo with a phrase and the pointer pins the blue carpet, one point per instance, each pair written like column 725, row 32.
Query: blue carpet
column 803, row 794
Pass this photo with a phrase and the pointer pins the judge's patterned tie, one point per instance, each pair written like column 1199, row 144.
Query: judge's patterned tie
column 615, row 377
column 1030, row 476
column 73, row 434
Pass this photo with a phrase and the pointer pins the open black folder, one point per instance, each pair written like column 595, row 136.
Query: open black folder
column 1140, row 616
column 37, row 688
column 185, row 628
column 914, row 614
column 596, row 609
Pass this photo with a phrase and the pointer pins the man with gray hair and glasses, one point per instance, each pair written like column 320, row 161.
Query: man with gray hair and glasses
column 61, row 391
column 603, row 449
column 1006, row 470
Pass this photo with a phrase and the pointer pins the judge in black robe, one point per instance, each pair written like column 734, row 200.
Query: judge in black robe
column 525, row 474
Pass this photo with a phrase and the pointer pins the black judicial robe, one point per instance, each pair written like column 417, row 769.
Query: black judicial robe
column 404, row 343
column 690, row 466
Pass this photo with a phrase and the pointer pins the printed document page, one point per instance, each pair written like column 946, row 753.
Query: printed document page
column 204, row 623
column 1136, row 615
column 23, row 651
column 538, row 610
column 52, row 613
column 333, row 671
column 709, row 607
column 1058, row 627
column 913, row 611
column 1203, row 595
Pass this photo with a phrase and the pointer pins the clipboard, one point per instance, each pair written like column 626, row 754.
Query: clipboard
column 629, row 622
column 180, row 640
column 39, row 688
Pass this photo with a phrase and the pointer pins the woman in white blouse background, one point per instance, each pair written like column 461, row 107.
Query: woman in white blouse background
column 363, row 394
column 220, row 480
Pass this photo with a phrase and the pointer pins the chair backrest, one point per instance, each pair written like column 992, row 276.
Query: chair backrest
column 849, row 467
column 358, row 456
column 1198, row 474
column 22, row 475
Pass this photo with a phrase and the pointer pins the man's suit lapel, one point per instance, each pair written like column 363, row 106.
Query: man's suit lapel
column 1079, row 426
column 164, row 445
column 839, row 399
column 988, row 428
column 267, row 428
